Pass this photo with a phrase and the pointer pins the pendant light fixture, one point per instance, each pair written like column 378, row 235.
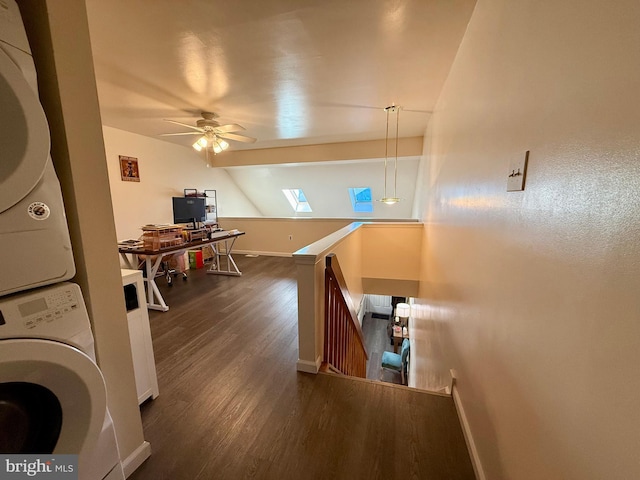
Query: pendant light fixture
column 391, row 200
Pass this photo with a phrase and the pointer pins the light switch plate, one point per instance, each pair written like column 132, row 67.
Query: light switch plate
column 517, row 173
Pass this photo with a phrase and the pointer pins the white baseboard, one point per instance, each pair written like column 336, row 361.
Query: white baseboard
column 133, row 461
column 471, row 446
column 309, row 367
column 265, row 254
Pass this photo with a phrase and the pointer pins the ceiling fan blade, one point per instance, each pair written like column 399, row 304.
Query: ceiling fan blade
column 237, row 138
column 231, row 127
column 183, row 133
column 185, row 125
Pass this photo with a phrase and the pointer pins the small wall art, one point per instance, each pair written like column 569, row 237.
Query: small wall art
column 129, row 169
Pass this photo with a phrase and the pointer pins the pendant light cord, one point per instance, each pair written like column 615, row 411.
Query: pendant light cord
column 395, row 173
column 393, row 199
column 386, row 153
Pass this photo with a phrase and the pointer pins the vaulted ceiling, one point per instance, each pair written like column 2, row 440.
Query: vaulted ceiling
column 292, row 72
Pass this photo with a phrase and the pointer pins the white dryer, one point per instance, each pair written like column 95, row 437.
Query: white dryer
column 52, row 394
column 35, row 249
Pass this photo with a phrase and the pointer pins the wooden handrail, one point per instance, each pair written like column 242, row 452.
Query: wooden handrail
column 344, row 346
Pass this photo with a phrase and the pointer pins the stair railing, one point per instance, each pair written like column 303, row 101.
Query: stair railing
column 344, row 346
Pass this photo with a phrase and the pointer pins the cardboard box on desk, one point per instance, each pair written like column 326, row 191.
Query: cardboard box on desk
column 157, row 237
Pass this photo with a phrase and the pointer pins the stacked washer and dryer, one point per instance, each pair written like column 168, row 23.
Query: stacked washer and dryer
column 53, row 397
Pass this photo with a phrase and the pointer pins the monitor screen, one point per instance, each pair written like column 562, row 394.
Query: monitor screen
column 189, row 210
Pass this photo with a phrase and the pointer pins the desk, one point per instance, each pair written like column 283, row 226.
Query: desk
column 221, row 243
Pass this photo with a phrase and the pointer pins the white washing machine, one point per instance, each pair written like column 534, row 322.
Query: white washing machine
column 53, row 397
column 35, row 248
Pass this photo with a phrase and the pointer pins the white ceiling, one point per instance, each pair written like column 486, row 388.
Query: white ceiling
column 292, row 72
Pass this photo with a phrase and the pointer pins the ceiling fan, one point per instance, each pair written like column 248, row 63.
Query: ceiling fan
column 212, row 134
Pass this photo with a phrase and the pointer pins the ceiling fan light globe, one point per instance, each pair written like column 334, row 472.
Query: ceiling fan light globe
column 223, row 145
column 203, row 142
column 197, row 146
column 217, row 148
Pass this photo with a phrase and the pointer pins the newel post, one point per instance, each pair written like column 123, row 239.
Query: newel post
column 310, row 273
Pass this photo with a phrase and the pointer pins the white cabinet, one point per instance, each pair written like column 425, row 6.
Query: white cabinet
column 144, row 364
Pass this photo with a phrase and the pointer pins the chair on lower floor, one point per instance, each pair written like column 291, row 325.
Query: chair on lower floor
column 398, row 362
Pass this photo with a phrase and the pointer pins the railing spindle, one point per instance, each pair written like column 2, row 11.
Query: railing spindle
column 344, row 347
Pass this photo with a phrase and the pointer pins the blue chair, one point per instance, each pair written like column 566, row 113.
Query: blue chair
column 398, row 362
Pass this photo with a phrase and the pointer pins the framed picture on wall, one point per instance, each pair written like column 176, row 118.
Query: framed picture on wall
column 129, row 169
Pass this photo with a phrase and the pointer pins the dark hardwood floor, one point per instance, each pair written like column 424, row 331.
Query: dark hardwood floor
column 376, row 337
column 232, row 405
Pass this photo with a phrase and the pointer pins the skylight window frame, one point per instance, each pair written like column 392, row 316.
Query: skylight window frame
column 297, row 199
column 359, row 205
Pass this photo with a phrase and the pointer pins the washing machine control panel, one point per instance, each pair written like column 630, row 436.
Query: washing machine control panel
column 52, row 308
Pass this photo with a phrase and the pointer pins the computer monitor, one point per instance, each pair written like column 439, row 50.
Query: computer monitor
column 189, row 210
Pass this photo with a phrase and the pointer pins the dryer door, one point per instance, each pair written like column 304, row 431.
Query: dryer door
column 24, row 135
column 52, row 398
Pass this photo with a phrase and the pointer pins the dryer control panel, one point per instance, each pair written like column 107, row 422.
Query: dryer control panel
column 52, row 312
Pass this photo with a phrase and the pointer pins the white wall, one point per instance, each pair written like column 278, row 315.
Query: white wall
column 166, row 170
column 534, row 295
column 326, row 187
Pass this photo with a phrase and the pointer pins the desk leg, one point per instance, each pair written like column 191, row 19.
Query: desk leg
column 128, row 261
column 153, row 293
column 216, row 267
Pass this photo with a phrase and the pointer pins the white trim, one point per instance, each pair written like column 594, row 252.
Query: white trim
column 264, row 254
column 309, row 367
column 133, row 461
column 318, row 249
column 321, row 219
column 471, row 446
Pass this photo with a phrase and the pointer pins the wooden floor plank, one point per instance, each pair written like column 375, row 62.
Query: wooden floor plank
column 232, row 405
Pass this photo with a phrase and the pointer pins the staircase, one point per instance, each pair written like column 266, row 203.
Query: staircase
column 344, row 347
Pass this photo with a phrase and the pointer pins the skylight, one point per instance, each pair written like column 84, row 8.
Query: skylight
column 361, row 199
column 297, row 199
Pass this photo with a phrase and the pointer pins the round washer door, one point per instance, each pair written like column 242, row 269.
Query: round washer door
column 41, row 380
column 24, row 135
